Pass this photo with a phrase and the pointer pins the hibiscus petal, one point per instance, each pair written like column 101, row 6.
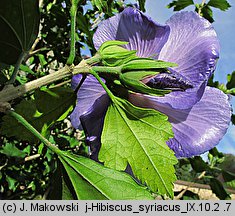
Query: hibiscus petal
column 143, row 34
column 198, row 129
column 88, row 93
column 193, row 45
column 92, row 123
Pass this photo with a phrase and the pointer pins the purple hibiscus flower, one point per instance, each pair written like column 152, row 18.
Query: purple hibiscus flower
column 200, row 115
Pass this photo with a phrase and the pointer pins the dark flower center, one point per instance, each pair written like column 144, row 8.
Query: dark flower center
column 171, row 81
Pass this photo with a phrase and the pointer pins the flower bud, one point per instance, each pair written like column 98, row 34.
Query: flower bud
column 113, row 54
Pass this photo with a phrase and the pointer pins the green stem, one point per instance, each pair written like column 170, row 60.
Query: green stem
column 16, row 69
column 11, row 92
column 94, row 59
column 26, row 124
column 107, row 70
column 73, row 14
column 110, row 94
column 201, row 6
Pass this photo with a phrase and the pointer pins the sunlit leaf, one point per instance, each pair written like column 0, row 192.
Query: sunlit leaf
column 138, row 136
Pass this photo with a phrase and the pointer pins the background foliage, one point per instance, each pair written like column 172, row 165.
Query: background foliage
column 28, row 169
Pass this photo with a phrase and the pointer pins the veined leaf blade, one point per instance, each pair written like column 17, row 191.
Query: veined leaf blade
column 138, row 136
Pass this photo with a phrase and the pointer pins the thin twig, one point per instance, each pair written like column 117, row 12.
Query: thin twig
column 181, row 194
column 32, row 157
column 201, row 6
column 12, row 92
column 33, row 52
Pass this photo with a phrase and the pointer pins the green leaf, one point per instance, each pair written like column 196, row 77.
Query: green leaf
column 231, row 80
column 92, row 180
column 138, row 136
column 220, row 4
column 216, row 153
column 132, row 80
column 26, row 69
column 229, row 178
column 11, row 150
column 198, row 164
column 233, row 119
column 180, row 4
column 218, row 189
column 230, row 182
column 142, row 5
column 61, row 187
column 19, row 25
column 206, row 12
column 56, row 103
column 49, row 106
column 12, row 183
column 100, row 4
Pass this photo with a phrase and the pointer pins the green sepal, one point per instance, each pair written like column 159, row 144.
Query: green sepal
column 146, row 63
column 132, row 80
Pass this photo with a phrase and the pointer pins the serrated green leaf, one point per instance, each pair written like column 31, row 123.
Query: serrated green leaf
column 49, row 106
column 180, row 4
column 220, row 4
column 91, row 180
column 11, row 150
column 19, row 25
column 138, row 136
column 132, row 80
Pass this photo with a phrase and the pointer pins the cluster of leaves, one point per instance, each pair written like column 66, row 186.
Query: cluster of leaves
column 217, row 172
column 204, row 9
